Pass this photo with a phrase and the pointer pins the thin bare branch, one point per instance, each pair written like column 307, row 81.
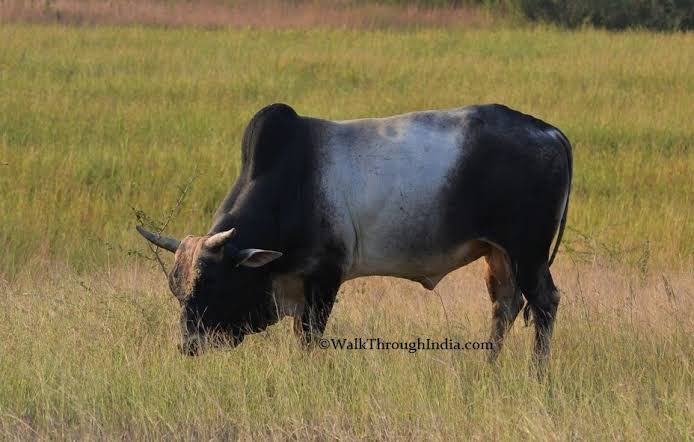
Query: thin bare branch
column 146, row 220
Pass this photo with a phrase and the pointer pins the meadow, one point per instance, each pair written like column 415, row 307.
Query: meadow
column 98, row 124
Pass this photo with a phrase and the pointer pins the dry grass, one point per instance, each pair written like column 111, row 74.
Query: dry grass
column 245, row 13
column 94, row 356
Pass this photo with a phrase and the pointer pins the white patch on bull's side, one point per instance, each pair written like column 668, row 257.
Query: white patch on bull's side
column 384, row 180
column 288, row 295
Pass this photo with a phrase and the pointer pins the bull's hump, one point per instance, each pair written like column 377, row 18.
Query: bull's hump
column 274, row 110
column 270, row 133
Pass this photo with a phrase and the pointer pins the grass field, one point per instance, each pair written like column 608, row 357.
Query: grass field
column 97, row 122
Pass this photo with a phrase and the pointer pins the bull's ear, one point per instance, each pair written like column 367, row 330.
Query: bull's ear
column 256, row 257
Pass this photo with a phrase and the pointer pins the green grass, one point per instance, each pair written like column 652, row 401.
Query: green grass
column 94, row 122
column 97, row 121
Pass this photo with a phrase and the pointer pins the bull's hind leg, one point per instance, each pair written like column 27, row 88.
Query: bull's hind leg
column 543, row 297
column 507, row 299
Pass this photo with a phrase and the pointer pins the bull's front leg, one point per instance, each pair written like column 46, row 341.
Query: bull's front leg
column 320, row 291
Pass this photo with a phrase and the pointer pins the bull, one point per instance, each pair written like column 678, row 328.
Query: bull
column 412, row 196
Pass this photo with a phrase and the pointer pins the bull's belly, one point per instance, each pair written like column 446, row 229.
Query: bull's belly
column 426, row 266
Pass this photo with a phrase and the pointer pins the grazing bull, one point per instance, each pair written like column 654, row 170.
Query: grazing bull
column 414, row 196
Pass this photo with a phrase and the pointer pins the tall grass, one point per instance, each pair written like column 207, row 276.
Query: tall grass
column 94, row 357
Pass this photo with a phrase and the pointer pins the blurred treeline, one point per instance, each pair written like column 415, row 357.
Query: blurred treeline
column 664, row 15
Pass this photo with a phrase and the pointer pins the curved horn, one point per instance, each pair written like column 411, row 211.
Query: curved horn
column 218, row 240
column 170, row 244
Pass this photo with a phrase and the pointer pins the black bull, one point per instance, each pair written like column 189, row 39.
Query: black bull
column 414, row 196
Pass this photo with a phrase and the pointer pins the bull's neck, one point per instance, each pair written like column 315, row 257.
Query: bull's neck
column 255, row 215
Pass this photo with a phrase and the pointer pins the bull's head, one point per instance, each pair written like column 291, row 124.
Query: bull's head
column 223, row 292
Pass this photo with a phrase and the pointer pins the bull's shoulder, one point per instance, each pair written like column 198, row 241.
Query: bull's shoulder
column 276, row 130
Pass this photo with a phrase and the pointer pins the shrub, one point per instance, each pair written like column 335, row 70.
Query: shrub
column 610, row 14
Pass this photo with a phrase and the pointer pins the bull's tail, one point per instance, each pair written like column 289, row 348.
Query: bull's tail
column 562, row 224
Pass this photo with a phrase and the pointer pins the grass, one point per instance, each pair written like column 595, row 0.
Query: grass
column 94, row 357
column 97, row 121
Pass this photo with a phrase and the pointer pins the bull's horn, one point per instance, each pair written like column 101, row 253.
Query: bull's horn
column 170, row 244
column 218, row 240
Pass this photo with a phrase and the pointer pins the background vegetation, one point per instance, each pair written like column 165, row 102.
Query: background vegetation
column 96, row 122
column 663, row 15
column 613, row 14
